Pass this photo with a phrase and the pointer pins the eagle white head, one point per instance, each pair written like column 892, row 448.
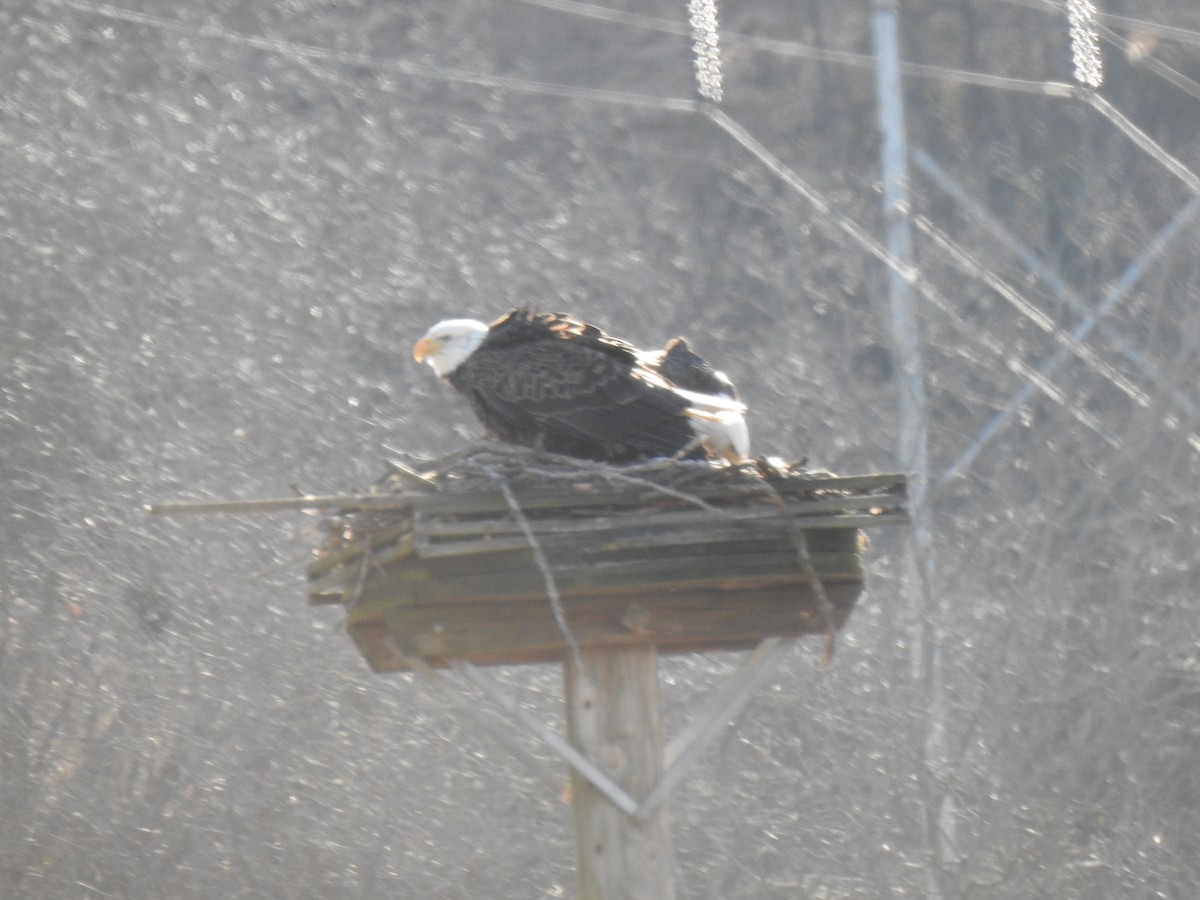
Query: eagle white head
column 447, row 344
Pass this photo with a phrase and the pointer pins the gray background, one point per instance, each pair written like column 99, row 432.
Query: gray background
column 223, row 224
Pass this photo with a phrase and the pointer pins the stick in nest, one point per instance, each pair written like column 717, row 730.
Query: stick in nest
column 560, row 616
column 408, row 473
column 814, row 578
column 818, row 586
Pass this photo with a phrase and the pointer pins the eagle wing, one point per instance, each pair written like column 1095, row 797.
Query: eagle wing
column 684, row 368
column 551, row 383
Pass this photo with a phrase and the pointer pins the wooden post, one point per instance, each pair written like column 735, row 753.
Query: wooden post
column 613, row 718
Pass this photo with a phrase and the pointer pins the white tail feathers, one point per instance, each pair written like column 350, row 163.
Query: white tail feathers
column 720, row 424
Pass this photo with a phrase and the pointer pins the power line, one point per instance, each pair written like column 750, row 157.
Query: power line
column 418, row 70
column 1146, row 143
column 574, row 92
column 1004, row 290
column 1056, row 283
column 808, row 51
column 441, row 73
column 613, row 16
column 1132, row 274
column 1174, row 32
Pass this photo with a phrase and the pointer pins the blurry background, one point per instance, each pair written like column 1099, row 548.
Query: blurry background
column 222, row 226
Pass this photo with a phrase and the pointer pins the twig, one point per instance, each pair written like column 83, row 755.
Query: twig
column 682, row 452
column 283, row 504
column 560, row 616
column 408, row 473
column 364, row 566
column 818, row 586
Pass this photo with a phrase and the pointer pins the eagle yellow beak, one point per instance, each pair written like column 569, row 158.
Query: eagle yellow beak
column 424, row 347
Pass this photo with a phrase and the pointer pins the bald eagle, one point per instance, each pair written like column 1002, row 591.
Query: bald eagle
column 547, row 381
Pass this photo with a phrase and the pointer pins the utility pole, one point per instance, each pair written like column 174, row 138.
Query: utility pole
column 912, row 435
column 613, row 718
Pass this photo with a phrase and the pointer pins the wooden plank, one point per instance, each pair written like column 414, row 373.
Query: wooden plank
column 879, row 482
column 526, row 631
column 633, row 538
column 514, row 576
column 648, row 534
column 869, row 520
column 716, row 540
column 483, row 502
column 719, row 522
column 332, row 502
column 457, row 576
column 632, row 564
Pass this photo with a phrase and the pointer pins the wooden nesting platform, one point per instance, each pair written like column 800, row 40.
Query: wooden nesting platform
column 495, row 554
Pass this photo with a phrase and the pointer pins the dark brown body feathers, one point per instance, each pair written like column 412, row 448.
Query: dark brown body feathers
column 544, row 380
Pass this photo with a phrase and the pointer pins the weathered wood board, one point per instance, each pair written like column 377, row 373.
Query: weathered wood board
column 447, row 576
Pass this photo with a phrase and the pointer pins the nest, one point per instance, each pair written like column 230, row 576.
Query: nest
column 501, row 554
